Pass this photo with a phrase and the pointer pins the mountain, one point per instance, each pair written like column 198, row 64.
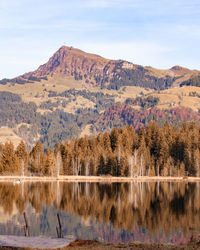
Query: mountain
column 98, row 71
column 77, row 93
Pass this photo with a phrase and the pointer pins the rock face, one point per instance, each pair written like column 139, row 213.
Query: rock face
column 68, row 61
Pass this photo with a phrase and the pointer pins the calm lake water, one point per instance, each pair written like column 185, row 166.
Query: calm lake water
column 118, row 212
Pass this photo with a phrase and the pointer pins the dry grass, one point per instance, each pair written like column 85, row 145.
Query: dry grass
column 178, row 97
column 79, row 103
column 129, row 92
column 7, row 134
column 86, row 244
column 86, row 131
column 36, row 91
column 43, row 111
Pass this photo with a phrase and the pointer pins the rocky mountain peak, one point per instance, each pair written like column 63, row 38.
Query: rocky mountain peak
column 69, row 61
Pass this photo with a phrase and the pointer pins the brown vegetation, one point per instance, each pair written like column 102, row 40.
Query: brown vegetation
column 154, row 151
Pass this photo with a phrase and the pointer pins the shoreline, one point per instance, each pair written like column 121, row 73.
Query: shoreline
column 103, row 179
column 28, row 243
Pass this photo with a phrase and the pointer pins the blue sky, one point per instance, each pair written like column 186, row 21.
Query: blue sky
column 159, row 33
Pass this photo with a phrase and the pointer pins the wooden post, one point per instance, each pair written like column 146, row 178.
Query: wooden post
column 57, row 230
column 26, row 228
column 25, row 231
column 60, row 226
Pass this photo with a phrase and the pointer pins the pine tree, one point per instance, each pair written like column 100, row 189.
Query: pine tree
column 114, row 139
column 49, row 168
column 106, row 143
column 37, row 159
column 196, row 161
column 95, row 154
column 22, row 155
column 162, row 152
column 101, row 166
column 9, row 161
column 188, row 156
column 67, row 158
column 142, row 156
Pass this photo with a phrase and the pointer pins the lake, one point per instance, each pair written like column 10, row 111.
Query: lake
column 109, row 212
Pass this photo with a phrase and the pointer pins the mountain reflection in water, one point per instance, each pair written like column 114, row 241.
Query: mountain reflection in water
column 150, row 212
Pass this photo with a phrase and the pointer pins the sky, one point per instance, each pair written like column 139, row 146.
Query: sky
column 157, row 33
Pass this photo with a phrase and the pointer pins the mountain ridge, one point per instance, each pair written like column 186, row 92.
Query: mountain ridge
column 66, row 50
column 95, row 70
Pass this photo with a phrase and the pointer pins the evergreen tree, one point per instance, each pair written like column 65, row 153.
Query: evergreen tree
column 106, row 143
column 101, row 166
column 9, row 161
column 49, row 168
column 113, row 139
column 142, row 153
column 23, row 156
column 37, row 159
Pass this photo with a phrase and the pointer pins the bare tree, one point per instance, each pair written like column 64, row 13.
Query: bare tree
column 59, row 163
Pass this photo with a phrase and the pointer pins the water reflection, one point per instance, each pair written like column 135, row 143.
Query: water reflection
column 154, row 212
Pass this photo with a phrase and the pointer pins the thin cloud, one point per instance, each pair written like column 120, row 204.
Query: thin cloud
column 158, row 33
column 139, row 52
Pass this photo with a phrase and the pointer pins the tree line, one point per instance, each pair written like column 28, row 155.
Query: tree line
column 152, row 151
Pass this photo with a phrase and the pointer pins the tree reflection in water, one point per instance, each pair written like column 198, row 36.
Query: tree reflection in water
column 150, row 208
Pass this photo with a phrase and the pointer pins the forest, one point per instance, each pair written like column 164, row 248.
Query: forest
column 120, row 115
column 194, row 81
column 52, row 126
column 137, row 77
column 152, row 151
